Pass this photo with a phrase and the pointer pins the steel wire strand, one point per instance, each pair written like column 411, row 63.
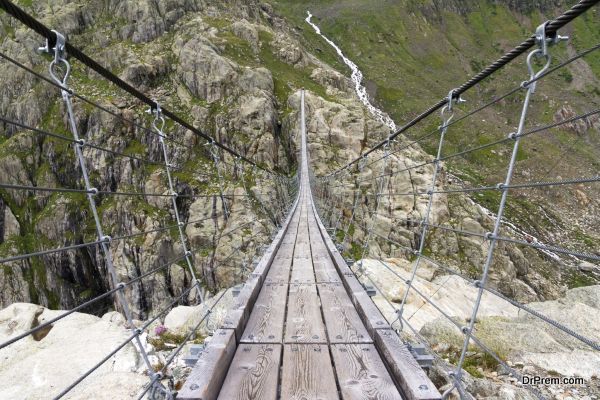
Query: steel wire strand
column 523, row 307
column 552, row 27
column 488, row 236
column 93, row 243
column 100, row 148
column 180, row 347
column 123, row 344
column 89, row 302
column 111, row 193
column 510, row 138
column 524, row 185
column 83, row 98
column 556, row 324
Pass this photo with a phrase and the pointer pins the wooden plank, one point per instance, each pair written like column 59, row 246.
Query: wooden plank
column 320, row 252
column 304, row 322
column 352, row 285
column 207, row 376
column 282, row 263
column 302, row 250
column 247, row 296
column 266, row 321
column 307, row 373
column 325, row 272
column 341, row 319
column 302, row 271
column 369, row 313
column 362, row 374
column 327, row 276
column 286, row 251
column 253, row 373
column 236, row 321
column 414, row 382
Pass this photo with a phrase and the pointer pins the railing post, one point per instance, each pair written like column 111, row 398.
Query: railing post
column 541, row 52
column 189, row 257
column 386, row 149
column 60, row 58
column 425, row 221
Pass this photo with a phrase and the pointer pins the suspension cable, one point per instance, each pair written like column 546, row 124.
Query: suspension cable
column 158, row 124
column 540, row 52
column 551, row 28
column 51, row 38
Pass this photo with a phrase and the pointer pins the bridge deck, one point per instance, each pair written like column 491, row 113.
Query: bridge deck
column 304, row 328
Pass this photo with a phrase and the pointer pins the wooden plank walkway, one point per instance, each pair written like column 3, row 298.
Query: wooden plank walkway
column 311, row 333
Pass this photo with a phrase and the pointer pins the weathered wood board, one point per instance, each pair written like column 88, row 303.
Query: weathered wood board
column 307, row 373
column 207, row 376
column 415, row 383
column 302, row 271
column 362, row 374
column 341, row 319
column 304, row 322
column 266, row 320
column 253, row 373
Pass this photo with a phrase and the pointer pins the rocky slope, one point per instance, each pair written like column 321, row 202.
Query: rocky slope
column 233, row 68
column 204, row 61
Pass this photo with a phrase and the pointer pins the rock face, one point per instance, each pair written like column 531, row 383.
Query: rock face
column 230, row 98
column 41, row 367
column 233, row 69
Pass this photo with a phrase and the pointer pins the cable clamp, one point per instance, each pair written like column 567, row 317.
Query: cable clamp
column 106, row 239
column 93, row 191
column 545, row 40
column 490, row 235
column 80, row 142
column 512, row 135
column 451, row 100
column 464, row 329
column 477, row 283
column 137, row 331
column 174, row 194
column 501, row 186
column 188, row 253
column 121, row 285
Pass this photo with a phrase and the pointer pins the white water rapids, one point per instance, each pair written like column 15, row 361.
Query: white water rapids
column 357, row 78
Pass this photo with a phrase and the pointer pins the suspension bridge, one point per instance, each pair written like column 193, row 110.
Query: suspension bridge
column 302, row 326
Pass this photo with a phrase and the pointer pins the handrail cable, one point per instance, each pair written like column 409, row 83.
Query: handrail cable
column 106, row 239
column 178, row 349
column 89, row 302
column 51, row 38
column 551, row 28
column 507, row 139
column 123, row 344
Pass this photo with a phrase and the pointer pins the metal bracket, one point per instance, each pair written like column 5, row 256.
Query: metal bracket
column 543, row 40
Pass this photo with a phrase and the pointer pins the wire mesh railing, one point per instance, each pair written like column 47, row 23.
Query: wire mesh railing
column 236, row 193
column 362, row 184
